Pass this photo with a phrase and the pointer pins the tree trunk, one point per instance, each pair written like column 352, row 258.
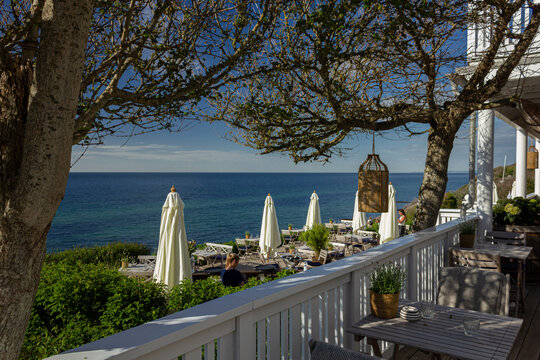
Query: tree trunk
column 36, row 133
column 432, row 190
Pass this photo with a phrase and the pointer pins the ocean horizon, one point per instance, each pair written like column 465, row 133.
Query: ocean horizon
column 104, row 207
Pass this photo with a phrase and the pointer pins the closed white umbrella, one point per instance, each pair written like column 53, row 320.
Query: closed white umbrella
column 270, row 234
column 495, row 195
column 172, row 261
column 314, row 212
column 359, row 217
column 512, row 193
column 388, row 228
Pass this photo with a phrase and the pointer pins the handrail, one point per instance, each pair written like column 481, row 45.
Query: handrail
column 281, row 316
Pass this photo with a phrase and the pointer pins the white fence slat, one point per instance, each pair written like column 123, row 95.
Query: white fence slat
column 296, row 332
column 305, row 329
column 225, row 347
column 261, row 339
column 193, row 355
column 245, row 338
column 210, row 351
column 284, row 332
column 315, row 314
column 273, row 337
column 331, row 317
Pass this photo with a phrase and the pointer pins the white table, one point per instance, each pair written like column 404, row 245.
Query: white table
column 443, row 334
column 138, row 270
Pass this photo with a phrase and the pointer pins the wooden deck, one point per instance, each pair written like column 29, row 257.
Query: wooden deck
column 527, row 345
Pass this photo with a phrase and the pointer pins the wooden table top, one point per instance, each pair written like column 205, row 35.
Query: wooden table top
column 444, row 333
column 509, row 251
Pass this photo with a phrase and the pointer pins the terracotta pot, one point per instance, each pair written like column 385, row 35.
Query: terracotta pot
column 291, row 251
column 125, row 264
column 466, row 240
column 290, row 227
column 247, row 236
column 384, row 306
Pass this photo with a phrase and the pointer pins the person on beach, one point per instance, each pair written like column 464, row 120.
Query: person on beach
column 401, row 222
column 230, row 276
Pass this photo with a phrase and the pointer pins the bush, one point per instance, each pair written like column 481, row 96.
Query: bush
column 189, row 293
column 450, row 201
column 517, row 211
column 110, row 254
column 316, row 237
column 78, row 303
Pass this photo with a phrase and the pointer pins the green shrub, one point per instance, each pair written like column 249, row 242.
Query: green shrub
column 110, row 254
column 450, row 201
column 316, row 237
column 517, row 211
column 78, row 303
column 191, row 293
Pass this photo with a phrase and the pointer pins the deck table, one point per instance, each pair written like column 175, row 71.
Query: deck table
column 520, row 254
column 443, row 334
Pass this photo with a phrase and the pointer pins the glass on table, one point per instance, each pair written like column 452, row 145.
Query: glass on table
column 427, row 309
column 471, row 326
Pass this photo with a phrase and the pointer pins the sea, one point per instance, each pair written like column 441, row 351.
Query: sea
column 101, row 208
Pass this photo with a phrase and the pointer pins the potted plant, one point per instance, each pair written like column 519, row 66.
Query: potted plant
column 247, row 233
column 291, row 248
column 386, row 283
column 331, row 221
column 467, row 233
column 125, row 262
column 290, row 226
column 316, row 238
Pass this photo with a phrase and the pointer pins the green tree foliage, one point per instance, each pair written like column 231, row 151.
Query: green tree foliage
column 343, row 68
column 450, row 201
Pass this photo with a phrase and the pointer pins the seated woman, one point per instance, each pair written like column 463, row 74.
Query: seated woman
column 230, row 276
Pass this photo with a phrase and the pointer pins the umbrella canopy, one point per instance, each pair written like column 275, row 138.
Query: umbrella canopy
column 172, row 260
column 314, row 212
column 270, row 234
column 388, row 228
column 512, row 193
column 495, row 195
column 359, row 217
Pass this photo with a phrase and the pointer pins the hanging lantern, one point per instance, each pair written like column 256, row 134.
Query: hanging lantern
column 532, row 158
column 373, row 184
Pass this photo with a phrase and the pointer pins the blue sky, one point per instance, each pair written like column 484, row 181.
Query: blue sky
column 203, row 148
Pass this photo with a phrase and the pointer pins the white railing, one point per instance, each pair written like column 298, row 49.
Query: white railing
column 276, row 320
column 479, row 37
column 446, row 215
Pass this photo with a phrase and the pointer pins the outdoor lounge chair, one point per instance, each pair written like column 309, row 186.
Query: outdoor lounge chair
column 323, row 258
column 474, row 289
column 323, row 351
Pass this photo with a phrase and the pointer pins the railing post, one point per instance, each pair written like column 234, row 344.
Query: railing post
column 412, row 272
column 352, row 309
column 245, row 337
